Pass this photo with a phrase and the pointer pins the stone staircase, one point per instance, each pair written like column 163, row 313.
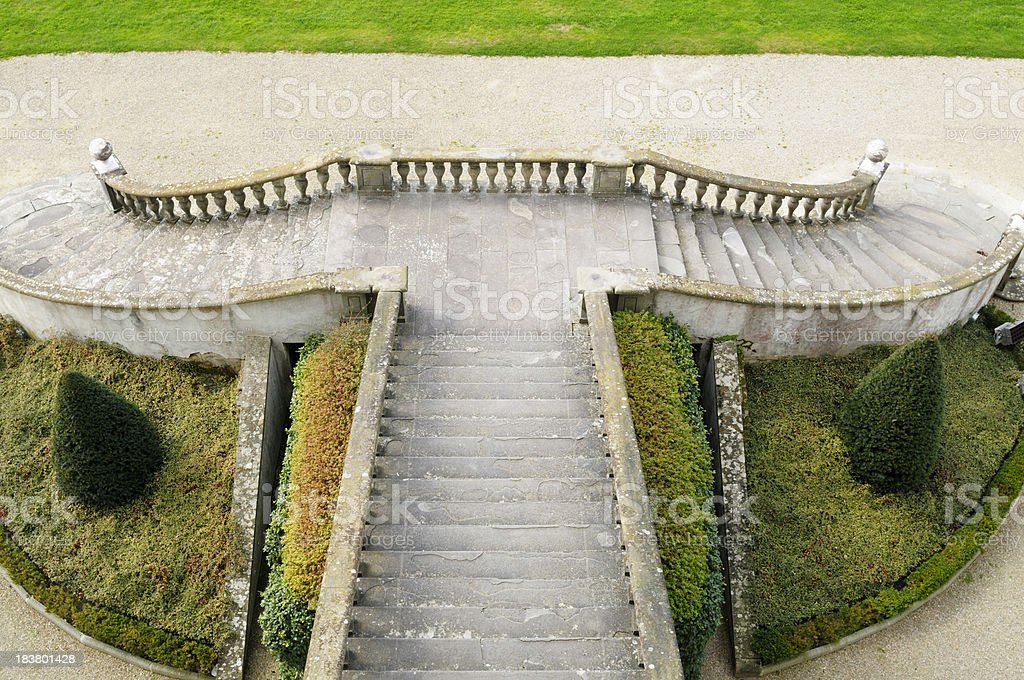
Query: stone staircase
column 882, row 248
column 498, row 553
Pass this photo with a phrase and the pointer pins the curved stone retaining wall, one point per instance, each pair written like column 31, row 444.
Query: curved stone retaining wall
column 172, row 324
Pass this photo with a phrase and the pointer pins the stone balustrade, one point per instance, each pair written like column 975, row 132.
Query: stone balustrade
column 380, row 170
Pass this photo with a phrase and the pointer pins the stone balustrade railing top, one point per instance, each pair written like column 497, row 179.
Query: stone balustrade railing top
column 380, row 170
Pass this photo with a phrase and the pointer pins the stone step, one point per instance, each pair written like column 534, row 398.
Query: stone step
column 806, row 269
column 852, row 277
column 498, row 341
column 902, row 265
column 492, row 654
column 497, row 391
column 830, row 277
column 768, row 271
column 493, row 374
column 491, row 467
column 736, row 249
column 469, row 513
column 779, row 254
column 495, row 357
column 490, row 622
column 495, row 675
column 492, row 564
column 458, row 426
column 499, row 446
column 864, row 261
column 720, row 267
column 693, row 258
column 526, row 408
column 496, row 490
column 491, row 592
column 514, row 537
column 927, row 257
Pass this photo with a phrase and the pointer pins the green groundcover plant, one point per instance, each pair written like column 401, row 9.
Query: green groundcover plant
column 147, row 574
column 663, row 389
column 833, row 554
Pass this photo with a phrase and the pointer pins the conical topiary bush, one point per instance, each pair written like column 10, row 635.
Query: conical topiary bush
column 892, row 423
column 105, row 450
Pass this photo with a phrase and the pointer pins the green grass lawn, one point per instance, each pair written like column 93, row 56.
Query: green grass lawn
column 506, row 27
column 161, row 559
column 826, row 540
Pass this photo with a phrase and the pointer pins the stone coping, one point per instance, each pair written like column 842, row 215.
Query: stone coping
column 92, row 643
column 348, row 280
column 326, row 657
column 634, row 282
column 733, row 466
column 658, row 647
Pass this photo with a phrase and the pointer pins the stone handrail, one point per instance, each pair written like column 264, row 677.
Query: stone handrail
column 380, row 170
column 806, row 202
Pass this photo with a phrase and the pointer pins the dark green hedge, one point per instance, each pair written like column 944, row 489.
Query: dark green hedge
column 134, row 637
column 105, row 450
column 892, row 423
column 779, row 644
column 663, row 387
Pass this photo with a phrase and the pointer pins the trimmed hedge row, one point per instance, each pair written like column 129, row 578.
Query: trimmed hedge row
column 326, row 384
column 663, row 388
column 118, row 630
column 778, row 644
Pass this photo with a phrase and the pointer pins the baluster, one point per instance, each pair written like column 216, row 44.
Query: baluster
column 834, row 205
column 421, row 175
column 545, row 172
column 345, row 169
column 457, row 176
column 527, row 169
column 492, row 172
column 438, row 169
column 323, row 177
column 791, row 203
column 220, row 199
column 403, row 175
column 847, row 203
column 740, row 199
column 823, row 206
column 474, row 177
column 758, row 202
column 702, row 188
column 239, row 196
column 638, row 175
column 154, row 209
column 204, row 207
column 659, row 179
column 776, row 203
column 167, row 208
column 302, row 184
column 143, row 207
column 279, row 189
column 510, row 176
column 185, row 206
column 808, row 206
column 259, row 192
column 129, row 203
column 855, row 204
column 579, row 170
column 720, row 195
column 561, row 171
column 680, row 184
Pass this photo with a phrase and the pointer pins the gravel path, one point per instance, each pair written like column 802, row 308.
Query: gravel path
column 193, row 115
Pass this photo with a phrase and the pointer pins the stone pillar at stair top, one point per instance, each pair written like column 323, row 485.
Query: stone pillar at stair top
column 873, row 164
column 373, row 169
column 610, row 166
column 105, row 164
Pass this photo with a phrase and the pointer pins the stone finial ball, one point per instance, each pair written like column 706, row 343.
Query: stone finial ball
column 876, row 150
column 100, row 149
